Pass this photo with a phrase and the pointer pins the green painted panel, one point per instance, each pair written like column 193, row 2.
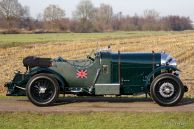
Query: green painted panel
column 135, row 67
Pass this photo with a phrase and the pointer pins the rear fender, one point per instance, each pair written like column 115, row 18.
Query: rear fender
column 55, row 74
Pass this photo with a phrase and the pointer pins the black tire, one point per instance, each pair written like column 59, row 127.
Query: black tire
column 45, row 96
column 167, row 90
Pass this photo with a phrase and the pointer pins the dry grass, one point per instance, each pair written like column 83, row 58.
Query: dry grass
column 179, row 45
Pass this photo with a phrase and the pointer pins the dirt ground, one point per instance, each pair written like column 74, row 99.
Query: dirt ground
column 88, row 104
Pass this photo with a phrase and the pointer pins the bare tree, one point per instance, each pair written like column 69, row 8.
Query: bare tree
column 116, row 22
column 151, row 14
column 176, row 23
column 25, row 12
column 53, row 12
column 10, row 10
column 53, row 15
column 104, row 15
column 151, row 18
column 39, row 17
column 84, row 14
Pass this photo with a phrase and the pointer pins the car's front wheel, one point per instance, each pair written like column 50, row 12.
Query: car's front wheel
column 167, row 90
column 42, row 89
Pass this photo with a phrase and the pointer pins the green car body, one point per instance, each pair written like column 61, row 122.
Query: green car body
column 106, row 73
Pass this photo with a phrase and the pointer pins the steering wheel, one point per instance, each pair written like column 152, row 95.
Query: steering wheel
column 89, row 57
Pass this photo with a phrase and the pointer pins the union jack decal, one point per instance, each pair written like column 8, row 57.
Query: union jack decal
column 81, row 74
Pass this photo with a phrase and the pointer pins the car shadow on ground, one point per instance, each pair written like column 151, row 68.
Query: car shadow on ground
column 69, row 100
column 186, row 101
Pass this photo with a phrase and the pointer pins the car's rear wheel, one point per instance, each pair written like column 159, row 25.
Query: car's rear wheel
column 167, row 90
column 42, row 89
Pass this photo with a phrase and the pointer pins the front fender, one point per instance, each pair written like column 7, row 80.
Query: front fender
column 55, row 74
column 157, row 70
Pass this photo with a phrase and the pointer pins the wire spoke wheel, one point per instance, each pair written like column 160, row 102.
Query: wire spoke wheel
column 42, row 89
column 167, row 90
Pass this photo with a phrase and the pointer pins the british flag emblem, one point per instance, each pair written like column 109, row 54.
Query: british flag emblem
column 81, row 73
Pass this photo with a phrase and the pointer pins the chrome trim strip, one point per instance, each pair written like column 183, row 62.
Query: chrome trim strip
column 20, row 88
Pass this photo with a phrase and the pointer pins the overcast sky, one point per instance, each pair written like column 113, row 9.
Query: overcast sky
column 165, row 7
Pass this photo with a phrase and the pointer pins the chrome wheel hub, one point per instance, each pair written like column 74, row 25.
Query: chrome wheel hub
column 166, row 90
column 42, row 90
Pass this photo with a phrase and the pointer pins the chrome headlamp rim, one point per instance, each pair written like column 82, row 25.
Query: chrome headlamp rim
column 172, row 62
column 167, row 59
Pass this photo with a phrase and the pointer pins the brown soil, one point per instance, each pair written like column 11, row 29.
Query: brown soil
column 88, row 104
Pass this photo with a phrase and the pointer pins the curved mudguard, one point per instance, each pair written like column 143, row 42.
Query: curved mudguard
column 59, row 78
column 153, row 73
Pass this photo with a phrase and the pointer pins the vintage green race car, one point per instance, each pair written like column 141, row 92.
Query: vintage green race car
column 102, row 73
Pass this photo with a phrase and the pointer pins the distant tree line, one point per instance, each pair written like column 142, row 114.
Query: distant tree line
column 86, row 18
